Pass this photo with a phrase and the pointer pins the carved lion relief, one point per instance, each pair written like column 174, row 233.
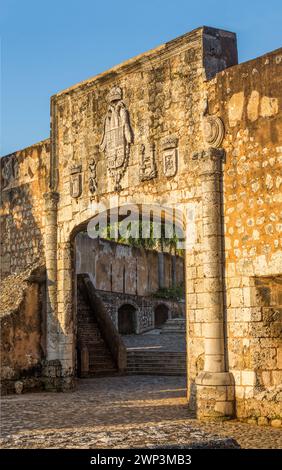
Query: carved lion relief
column 117, row 136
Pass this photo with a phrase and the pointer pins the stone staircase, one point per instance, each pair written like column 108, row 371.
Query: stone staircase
column 91, row 342
column 150, row 362
column 174, row 325
column 100, row 361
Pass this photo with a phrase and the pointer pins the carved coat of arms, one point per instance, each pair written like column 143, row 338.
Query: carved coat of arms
column 169, row 149
column 117, row 136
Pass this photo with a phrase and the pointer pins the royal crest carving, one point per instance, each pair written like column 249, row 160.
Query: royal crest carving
column 93, row 185
column 148, row 169
column 117, row 136
column 170, row 155
column 213, row 130
column 75, row 181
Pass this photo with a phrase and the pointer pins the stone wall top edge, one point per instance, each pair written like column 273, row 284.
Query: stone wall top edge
column 248, row 63
column 161, row 52
column 30, row 147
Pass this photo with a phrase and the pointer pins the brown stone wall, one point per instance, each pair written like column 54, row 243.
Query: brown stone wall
column 144, row 306
column 248, row 98
column 24, row 179
column 163, row 91
column 167, row 94
column 138, row 268
column 23, row 330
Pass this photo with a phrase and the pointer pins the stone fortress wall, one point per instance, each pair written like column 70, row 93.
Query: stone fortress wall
column 121, row 268
column 248, row 99
column 200, row 132
column 24, row 180
column 125, row 274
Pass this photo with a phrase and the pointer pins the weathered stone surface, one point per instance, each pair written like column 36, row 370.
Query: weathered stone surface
column 158, row 417
column 231, row 198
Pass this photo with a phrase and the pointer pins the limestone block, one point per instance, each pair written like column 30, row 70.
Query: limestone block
column 248, row 377
column 277, row 377
column 235, row 107
column 268, row 106
column 253, row 106
column 239, row 392
column 214, row 346
column 263, row 421
column 276, row 423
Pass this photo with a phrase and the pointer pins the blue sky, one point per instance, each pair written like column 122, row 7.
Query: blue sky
column 49, row 45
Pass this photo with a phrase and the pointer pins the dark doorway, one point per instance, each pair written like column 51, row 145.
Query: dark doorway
column 161, row 315
column 126, row 319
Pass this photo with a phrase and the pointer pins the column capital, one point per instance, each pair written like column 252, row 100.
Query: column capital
column 51, row 200
column 210, row 160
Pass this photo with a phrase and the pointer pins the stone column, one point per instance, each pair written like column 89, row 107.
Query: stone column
column 66, row 312
column 214, row 385
column 51, row 202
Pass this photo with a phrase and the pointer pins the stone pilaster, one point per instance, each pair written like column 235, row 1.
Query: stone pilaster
column 51, row 201
column 214, row 385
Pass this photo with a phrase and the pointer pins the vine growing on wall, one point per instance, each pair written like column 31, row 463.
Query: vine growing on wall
column 170, row 293
column 155, row 236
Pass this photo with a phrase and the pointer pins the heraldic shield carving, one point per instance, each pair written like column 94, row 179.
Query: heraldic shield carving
column 117, row 136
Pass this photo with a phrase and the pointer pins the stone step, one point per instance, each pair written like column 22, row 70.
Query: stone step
column 156, row 363
column 175, row 326
column 101, row 362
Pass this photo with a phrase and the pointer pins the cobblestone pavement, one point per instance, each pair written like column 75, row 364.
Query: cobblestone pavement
column 118, row 412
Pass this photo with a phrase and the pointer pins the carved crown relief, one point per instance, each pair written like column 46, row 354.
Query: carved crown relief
column 117, row 136
column 169, row 154
column 213, row 130
column 148, row 169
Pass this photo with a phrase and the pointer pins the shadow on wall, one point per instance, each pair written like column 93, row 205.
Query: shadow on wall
column 264, row 352
column 23, row 330
column 23, row 296
column 127, row 321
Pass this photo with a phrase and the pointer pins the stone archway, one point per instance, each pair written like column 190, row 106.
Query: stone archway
column 126, row 319
column 140, row 147
column 161, row 315
column 214, row 376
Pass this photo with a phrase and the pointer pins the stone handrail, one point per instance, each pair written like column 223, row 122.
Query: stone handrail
column 105, row 323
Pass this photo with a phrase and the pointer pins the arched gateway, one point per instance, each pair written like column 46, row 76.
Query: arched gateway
column 161, row 130
column 116, row 137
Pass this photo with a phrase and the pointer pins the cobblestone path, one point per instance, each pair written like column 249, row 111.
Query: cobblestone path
column 118, row 412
